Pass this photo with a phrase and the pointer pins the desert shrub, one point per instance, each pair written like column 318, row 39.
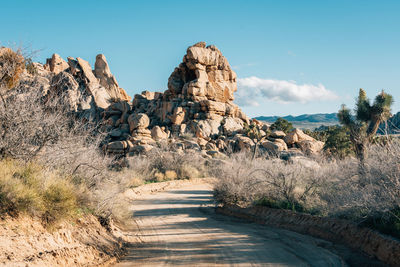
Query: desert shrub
column 337, row 143
column 334, row 188
column 30, row 188
column 166, row 164
column 282, row 125
column 371, row 197
column 12, row 65
column 268, row 182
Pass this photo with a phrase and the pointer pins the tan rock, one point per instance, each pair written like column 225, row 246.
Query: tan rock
column 244, row 143
column 158, row 134
column 311, row 147
column 207, row 128
column 56, row 64
column 107, row 80
column 178, row 116
column 277, row 134
column 81, row 68
column 274, row 147
column 295, row 136
column 136, row 121
column 232, row 125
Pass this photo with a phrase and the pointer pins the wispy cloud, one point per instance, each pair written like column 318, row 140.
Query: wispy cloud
column 252, row 90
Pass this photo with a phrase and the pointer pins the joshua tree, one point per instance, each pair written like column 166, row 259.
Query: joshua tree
column 364, row 125
column 253, row 132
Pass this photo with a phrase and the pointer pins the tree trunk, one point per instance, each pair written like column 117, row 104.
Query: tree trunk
column 255, row 150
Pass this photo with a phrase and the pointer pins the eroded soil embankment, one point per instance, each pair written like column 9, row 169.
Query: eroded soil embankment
column 384, row 248
column 25, row 242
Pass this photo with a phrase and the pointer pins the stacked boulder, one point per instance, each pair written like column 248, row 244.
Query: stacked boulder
column 199, row 98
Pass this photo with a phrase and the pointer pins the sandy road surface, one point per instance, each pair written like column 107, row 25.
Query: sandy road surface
column 179, row 227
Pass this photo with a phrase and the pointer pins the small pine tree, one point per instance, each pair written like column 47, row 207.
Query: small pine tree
column 364, row 125
column 282, row 125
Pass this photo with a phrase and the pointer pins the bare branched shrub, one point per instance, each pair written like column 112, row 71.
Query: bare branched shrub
column 371, row 193
column 164, row 163
column 272, row 182
column 329, row 188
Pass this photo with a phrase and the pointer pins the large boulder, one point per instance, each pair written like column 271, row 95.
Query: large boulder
column 158, row 134
column 311, row 147
column 274, row 147
column 231, row 125
column 277, row 134
column 137, row 121
column 295, row 136
column 204, row 74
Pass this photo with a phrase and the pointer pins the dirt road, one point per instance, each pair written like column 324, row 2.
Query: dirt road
column 179, row 227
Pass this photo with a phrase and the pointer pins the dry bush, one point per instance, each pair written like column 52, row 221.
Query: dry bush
column 12, row 65
column 276, row 183
column 164, row 163
column 370, row 196
column 30, row 188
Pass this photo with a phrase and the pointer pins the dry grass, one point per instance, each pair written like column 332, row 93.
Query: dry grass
column 30, row 188
column 329, row 188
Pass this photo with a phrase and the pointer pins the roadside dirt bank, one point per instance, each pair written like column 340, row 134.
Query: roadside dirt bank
column 25, row 242
column 384, row 248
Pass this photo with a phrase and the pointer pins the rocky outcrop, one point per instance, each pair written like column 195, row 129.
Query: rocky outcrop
column 196, row 112
column 86, row 91
column 307, row 144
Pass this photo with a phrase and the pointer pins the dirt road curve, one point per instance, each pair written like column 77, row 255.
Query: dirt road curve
column 179, row 227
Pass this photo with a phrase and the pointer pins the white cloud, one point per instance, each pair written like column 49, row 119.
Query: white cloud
column 252, row 90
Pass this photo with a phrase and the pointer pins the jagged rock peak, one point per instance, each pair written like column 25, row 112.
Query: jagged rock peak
column 99, row 82
column 204, row 74
column 106, row 79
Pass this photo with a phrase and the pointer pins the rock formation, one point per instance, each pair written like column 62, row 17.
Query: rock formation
column 195, row 113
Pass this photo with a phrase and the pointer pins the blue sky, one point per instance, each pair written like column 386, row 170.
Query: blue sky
column 292, row 57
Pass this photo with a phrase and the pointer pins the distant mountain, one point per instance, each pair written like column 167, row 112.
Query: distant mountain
column 313, row 121
column 329, row 118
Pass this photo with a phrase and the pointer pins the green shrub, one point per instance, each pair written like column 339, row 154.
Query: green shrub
column 282, row 125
